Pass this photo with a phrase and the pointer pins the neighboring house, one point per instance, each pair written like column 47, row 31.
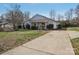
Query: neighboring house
column 42, row 22
column 5, row 26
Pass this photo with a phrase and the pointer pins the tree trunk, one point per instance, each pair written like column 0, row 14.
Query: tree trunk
column 15, row 27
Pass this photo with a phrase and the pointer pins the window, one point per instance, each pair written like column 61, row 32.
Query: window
column 34, row 24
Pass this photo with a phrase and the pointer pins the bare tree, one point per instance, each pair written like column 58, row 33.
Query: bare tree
column 26, row 16
column 59, row 17
column 53, row 14
column 15, row 16
column 1, row 18
column 76, row 20
column 77, row 11
column 69, row 15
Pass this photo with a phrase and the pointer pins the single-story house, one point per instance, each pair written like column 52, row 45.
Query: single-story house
column 41, row 22
column 36, row 22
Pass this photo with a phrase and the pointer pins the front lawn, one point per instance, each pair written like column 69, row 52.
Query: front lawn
column 75, row 44
column 73, row 28
column 9, row 40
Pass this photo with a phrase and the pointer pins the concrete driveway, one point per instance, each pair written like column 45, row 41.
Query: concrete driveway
column 52, row 43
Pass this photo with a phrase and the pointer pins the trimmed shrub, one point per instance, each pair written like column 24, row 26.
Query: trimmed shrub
column 59, row 26
column 34, row 28
column 28, row 26
column 19, row 27
column 1, row 29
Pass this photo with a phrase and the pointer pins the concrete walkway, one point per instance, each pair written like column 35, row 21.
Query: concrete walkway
column 73, row 34
column 52, row 43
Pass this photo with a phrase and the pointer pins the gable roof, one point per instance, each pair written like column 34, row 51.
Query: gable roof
column 38, row 17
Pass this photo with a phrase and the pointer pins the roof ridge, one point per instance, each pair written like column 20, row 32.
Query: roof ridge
column 42, row 16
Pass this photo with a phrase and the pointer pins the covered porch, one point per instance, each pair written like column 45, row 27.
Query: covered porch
column 40, row 25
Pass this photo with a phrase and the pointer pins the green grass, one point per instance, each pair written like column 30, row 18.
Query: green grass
column 9, row 40
column 75, row 41
column 75, row 44
column 3, row 34
column 73, row 28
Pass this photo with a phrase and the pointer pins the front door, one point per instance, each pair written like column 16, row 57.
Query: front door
column 50, row 26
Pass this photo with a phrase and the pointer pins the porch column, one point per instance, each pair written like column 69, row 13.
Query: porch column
column 45, row 25
column 55, row 26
